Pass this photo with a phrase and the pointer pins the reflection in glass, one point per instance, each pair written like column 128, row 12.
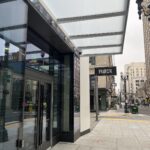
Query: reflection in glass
column 37, row 59
column 56, row 98
column 44, row 114
column 76, row 95
column 66, row 93
column 30, row 114
column 11, row 93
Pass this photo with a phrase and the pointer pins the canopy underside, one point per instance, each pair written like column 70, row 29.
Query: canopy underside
column 94, row 27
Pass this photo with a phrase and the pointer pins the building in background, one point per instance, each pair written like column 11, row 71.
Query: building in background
column 136, row 77
column 144, row 13
column 146, row 30
column 105, row 83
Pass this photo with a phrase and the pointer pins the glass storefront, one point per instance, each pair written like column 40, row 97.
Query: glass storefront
column 38, row 100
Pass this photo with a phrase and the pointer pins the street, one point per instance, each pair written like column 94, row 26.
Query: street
column 144, row 110
column 114, row 131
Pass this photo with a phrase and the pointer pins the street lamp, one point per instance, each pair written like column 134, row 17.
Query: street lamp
column 124, row 78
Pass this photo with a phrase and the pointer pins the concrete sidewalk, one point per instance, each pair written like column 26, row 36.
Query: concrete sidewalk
column 114, row 131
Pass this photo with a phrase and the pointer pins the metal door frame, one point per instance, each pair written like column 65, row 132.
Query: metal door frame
column 42, row 78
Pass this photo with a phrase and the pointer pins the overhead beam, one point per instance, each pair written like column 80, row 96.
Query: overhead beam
column 99, row 46
column 15, row 27
column 34, row 52
column 8, row 40
column 22, row 43
column 5, row 1
column 90, row 17
column 108, row 53
column 83, row 36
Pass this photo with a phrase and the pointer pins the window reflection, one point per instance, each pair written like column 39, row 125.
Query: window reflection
column 66, row 93
column 76, row 95
column 30, row 113
column 11, row 93
column 37, row 59
column 57, row 96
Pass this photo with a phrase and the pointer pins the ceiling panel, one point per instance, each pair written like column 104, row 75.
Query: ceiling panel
column 93, row 26
column 104, row 40
column 72, row 8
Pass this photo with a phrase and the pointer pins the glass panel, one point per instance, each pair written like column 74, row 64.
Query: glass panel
column 76, row 95
column 105, row 25
column 66, row 94
column 36, row 55
column 56, row 98
column 31, row 47
column 37, row 59
column 84, row 7
column 102, row 51
column 17, row 36
column 13, row 14
column 17, row 15
column 11, row 93
column 47, row 113
column 105, row 40
column 30, row 114
column 44, row 114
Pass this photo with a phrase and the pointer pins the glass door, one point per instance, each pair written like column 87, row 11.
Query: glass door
column 37, row 111
column 44, row 115
column 30, row 114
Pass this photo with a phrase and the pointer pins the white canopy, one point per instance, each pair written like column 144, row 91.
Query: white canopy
column 94, row 27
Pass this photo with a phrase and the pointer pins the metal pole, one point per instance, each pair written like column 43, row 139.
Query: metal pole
column 125, row 95
column 125, row 89
column 96, row 98
column 5, row 80
column 120, row 98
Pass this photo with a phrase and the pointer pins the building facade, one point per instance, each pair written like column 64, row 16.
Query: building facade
column 39, row 80
column 144, row 13
column 136, row 77
column 105, row 87
column 146, row 30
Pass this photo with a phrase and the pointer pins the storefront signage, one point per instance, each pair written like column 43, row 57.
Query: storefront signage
column 105, row 71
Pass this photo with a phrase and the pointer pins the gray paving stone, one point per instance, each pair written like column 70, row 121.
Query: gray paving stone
column 115, row 131
column 66, row 146
column 81, row 147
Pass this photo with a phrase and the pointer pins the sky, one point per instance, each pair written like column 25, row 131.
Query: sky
column 134, row 43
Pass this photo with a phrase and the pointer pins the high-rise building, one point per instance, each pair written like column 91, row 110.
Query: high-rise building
column 136, row 77
column 146, row 29
column 144, row 13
